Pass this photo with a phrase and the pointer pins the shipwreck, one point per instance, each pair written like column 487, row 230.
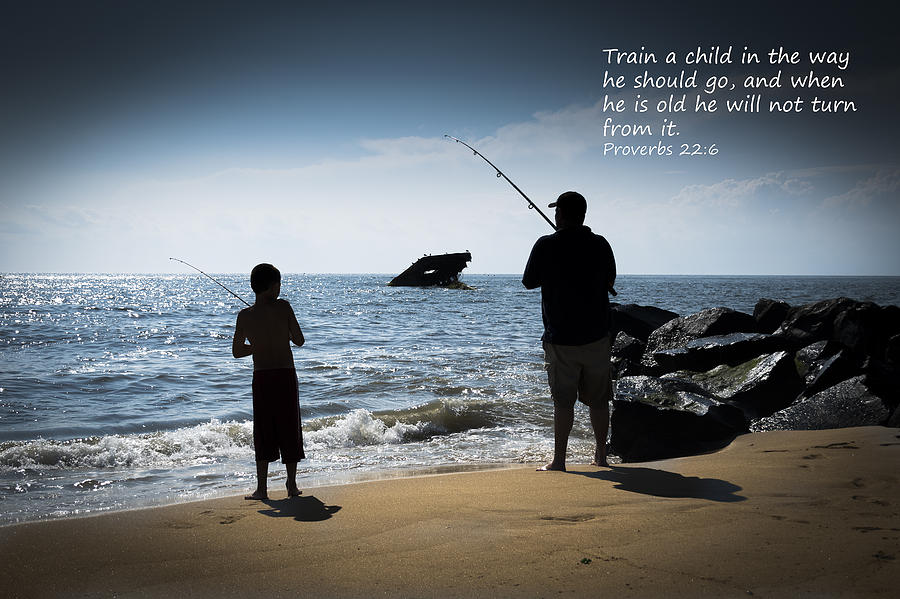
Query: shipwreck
column 434, row 271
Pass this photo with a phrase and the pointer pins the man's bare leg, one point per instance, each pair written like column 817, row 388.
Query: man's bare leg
column 262, row 473
column 600, row 424
column 563, row 419
column 291, row 484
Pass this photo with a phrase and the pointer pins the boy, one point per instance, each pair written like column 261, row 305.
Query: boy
column 270, row 326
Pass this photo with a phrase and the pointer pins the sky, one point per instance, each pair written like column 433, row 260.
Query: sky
column 311, row 135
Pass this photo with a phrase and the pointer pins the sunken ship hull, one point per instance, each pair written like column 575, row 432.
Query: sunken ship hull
column 433, row 271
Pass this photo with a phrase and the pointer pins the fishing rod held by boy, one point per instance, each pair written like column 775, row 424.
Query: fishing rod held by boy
column 213, row 280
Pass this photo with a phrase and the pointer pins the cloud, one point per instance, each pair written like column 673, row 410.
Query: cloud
column 734, row 193
column 880, row 188
column 389, row 200
column 563, row 133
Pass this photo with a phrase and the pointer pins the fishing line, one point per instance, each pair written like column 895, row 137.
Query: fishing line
column 212, row 279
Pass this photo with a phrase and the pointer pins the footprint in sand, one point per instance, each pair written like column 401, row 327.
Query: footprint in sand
column 224, row 519
column 879, row 502
column 573, row 518
column 181, row 525
column 784, row 518
column 841, row 445
column 875, row 529
column 231, row 519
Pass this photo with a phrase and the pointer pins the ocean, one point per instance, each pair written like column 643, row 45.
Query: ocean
column 120, row 391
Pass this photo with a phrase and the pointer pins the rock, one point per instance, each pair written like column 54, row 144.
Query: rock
column 849, row 403
column 857, row 329
column 701, row 378
column 626, row 355
column 628, row 347
column 620, row 367
column 892, row 351
column 809, row 323
column 865, row 329
column 809, row 360
column 769, row 314
column 894, row 421
column 699, row 355
column 638, row 321
column 707, row 323
column 883, row 379
column 655, row 419
column 760, row 386
column 831, row 371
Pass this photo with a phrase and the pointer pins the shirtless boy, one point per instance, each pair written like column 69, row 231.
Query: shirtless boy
column 270, row 327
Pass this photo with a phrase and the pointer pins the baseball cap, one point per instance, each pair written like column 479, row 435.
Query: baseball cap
column 570, row 201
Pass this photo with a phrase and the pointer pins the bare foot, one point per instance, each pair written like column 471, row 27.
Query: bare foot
column 293, row 491
column 552, row 467
column 257, row 494
column 600, row 461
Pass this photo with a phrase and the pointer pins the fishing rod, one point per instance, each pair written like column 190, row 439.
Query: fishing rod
column 531, row 205
column 212, row 279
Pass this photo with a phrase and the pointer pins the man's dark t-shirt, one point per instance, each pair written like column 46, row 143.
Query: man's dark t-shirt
column 574, row 268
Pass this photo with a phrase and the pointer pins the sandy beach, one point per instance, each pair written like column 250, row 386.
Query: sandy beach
column 779, row 514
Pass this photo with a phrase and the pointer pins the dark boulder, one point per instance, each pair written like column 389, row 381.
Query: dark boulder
column 884, row 379
column 699, row 355
column 832, row 370
column 628, row 347
column 620, row 367
column 707, row 323
column 760, row 386
column 865, row 329
column 894, row 421
column 809, row 323
column 626, row 355
column 849, row 403
column 769, row 314
column 857, row 329
column 655, row 418
column 809, row 360
column 638, row 321
column 892, row 351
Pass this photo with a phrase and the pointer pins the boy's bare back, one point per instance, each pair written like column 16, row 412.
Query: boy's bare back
column 270, row 325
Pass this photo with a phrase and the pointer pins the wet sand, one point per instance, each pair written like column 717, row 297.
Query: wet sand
column 781, row 514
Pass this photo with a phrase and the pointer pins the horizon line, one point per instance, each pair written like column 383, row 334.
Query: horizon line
column 389, row 274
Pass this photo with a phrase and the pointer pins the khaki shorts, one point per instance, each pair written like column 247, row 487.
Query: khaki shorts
column 579, row 372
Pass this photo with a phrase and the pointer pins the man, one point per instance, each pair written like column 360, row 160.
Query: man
column 574, row 269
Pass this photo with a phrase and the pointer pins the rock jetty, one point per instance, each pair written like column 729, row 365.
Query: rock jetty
column 691, row 384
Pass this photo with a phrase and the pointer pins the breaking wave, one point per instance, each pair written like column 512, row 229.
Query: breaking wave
column 362, row 427
column 216, row 441
column 200, row 444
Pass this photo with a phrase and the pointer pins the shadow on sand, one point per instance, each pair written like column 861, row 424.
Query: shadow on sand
column 306, row 508
column 661, row 483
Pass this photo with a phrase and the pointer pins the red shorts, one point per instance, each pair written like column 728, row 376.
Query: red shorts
column 276, row 416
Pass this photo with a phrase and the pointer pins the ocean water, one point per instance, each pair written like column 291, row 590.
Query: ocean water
column 120, row 391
